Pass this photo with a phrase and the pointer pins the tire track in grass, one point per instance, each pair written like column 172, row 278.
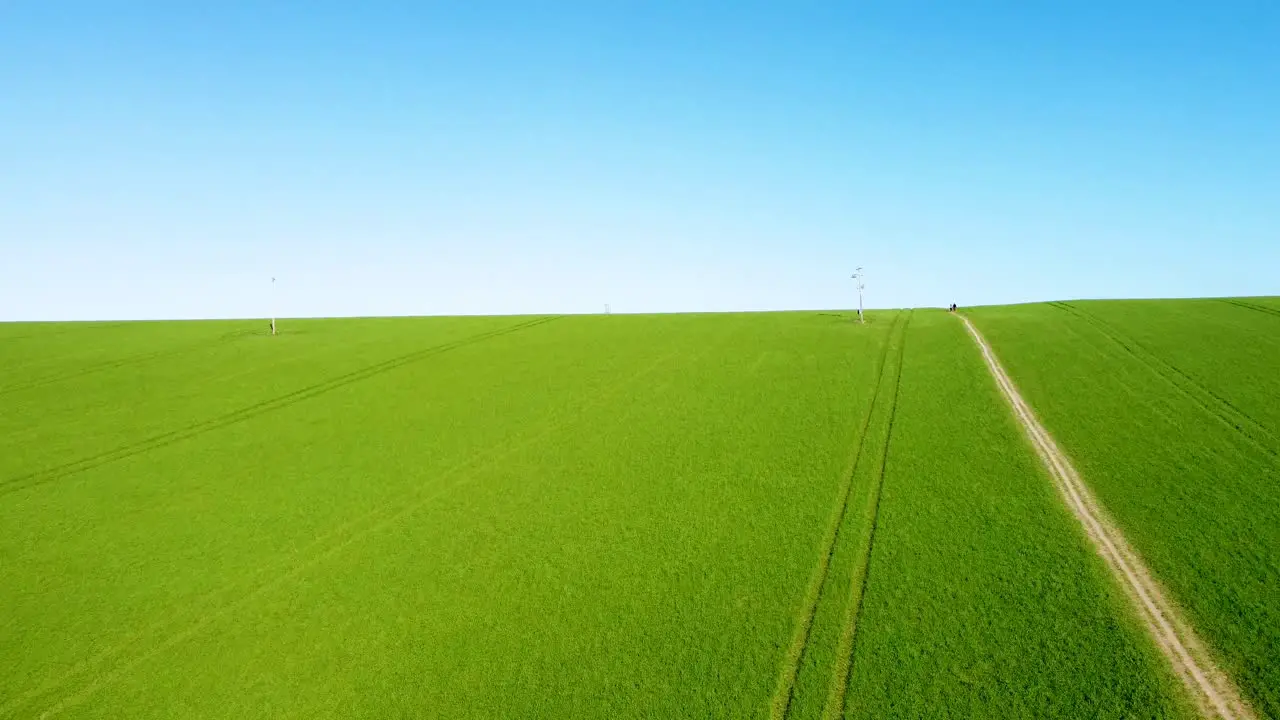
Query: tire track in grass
column 328, row 545
column 1219, row 407
column 1250, row 306
column 836, row 697
column 134, row 359
column 154, row 442
column 783, row 694
column 1212, row 690
column 67, row 327
column 1130, row 393
column 1188, row 385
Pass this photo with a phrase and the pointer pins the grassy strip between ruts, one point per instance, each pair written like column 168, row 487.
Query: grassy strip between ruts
column 819, row 661
column 837, row 696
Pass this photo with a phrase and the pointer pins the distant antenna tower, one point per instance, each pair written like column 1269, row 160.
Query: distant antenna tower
column 606, row 309
column 860, row 278
column 273, row 306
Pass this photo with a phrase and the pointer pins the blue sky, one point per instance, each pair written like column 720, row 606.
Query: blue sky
column 167, row 159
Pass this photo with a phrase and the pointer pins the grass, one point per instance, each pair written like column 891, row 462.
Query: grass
column 1188, row 341
column 589, row 516
column 740, row 515
column 983, row 597
column 825, row 634
column 1168, row 410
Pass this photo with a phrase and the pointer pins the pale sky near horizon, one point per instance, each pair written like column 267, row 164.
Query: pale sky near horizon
column 165, row 160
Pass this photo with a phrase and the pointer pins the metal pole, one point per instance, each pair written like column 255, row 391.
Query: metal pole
column 858, row 278
column 273, row 306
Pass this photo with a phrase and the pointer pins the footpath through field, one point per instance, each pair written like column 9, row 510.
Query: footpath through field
column 1214, row 692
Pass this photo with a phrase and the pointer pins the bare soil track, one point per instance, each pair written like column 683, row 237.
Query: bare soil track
column 1212, row 690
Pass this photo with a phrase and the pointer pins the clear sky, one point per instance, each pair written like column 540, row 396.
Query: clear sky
column 167, row 159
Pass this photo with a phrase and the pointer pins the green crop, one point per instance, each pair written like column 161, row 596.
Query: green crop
column 983, row 596
column 490, row 517
column 1169, row 411
column 813, row 681
column 732, row 515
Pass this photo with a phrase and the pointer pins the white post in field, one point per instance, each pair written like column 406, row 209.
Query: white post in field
column 860, row 278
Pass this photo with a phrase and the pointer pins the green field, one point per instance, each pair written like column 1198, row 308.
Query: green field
column 721, row 515
column 1171, row 411
column 984, row 598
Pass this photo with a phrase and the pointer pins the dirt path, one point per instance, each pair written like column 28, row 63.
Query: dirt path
column 1213, row 692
